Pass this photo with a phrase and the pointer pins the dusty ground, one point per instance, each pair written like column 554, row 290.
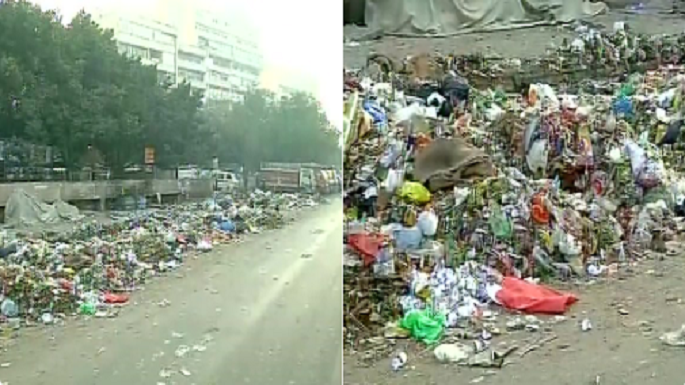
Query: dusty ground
column 621, row 349
column 266, row 311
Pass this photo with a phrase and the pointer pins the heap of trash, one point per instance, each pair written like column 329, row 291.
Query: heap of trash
column 459, row 198
column 94, row 266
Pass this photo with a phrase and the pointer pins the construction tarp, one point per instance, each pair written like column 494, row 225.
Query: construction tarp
column 435, row 18
column 24, row 209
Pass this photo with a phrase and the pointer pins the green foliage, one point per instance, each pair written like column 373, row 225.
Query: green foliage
column 68, row 87
column 266, row 129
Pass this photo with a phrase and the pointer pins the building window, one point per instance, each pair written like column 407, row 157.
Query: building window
column 164, row 38
column 224, row 63
column 219, row 76
column 133, row 51
column 156, row 55
column 190, row 58
column 192, row 76
column 166, row 78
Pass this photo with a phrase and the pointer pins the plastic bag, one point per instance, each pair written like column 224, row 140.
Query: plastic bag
column 367, row 245
column 408, row 238
column 538, row 93
column 453, row 353
column 9, row 308
column 567, row 243
column 204, row 245
column 428, row 223
column 391, row 153
column 537, row 156
column 384, row 265
column 113, row 298
column 376, row 111
column 415, row 192
column 623, row 106
column 518, row 294
column 501, row 226
column 394, row 180
column 424, row 325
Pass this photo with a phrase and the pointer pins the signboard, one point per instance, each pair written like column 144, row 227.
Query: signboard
column 149, row 155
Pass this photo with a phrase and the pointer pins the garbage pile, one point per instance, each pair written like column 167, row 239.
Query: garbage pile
column 572, row 64
column 458, row 198
column 92, row 268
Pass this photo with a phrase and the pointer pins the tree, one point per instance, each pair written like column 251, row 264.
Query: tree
column 70, row 88
column 265, row 129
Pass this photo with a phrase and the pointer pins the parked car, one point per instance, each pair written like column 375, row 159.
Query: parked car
column 227, row 181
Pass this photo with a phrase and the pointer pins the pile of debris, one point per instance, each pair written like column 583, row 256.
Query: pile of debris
column 458, row 198
column 591, row 55
column 91, row 268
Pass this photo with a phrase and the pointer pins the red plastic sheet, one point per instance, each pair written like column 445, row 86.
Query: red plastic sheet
column 116, row 298
column 367, row 245
column 517, row 294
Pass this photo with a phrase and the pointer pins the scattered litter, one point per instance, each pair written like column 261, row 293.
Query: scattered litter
column 585, row 325
column 674, row 338
column 399, row 361
column 181, row 351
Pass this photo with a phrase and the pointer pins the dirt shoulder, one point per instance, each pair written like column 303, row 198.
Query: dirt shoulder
column 628, row 315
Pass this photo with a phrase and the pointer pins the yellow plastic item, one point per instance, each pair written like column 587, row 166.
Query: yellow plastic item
column 415, row 193
column 547, row 240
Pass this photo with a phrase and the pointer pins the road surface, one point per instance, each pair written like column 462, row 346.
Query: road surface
column 266, row 311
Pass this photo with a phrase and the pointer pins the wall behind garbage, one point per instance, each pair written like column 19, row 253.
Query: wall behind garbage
column 76, row 191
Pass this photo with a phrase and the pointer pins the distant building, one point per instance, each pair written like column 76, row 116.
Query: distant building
column 216, row 56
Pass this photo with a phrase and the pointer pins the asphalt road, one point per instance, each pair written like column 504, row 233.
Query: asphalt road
column 266, row 311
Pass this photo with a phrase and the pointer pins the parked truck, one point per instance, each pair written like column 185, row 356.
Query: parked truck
column 286, row 177
column 326, row 181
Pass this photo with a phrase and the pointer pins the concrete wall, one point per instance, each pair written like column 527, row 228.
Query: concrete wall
column 76, row 191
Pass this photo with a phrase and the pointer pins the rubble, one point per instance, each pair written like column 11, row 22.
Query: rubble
column 91, row 269
column 483, row 195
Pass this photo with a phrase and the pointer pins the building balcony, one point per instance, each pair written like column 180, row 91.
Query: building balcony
column 188, row 65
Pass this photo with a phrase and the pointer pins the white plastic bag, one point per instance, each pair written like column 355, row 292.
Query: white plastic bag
column 204, row 245
column 537, row 155
column 394, row 180
column 428, row 223
column 453, row 353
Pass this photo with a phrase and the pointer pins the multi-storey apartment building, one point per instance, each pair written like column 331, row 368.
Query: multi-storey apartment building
column 219, row 57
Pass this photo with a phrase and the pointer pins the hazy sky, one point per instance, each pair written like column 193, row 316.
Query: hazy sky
column 301, row 39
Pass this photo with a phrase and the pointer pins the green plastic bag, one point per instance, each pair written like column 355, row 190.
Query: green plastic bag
column 501, row 226
column 627, row 89
column 415, row 192
column 424, row 325
column 87, row 308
